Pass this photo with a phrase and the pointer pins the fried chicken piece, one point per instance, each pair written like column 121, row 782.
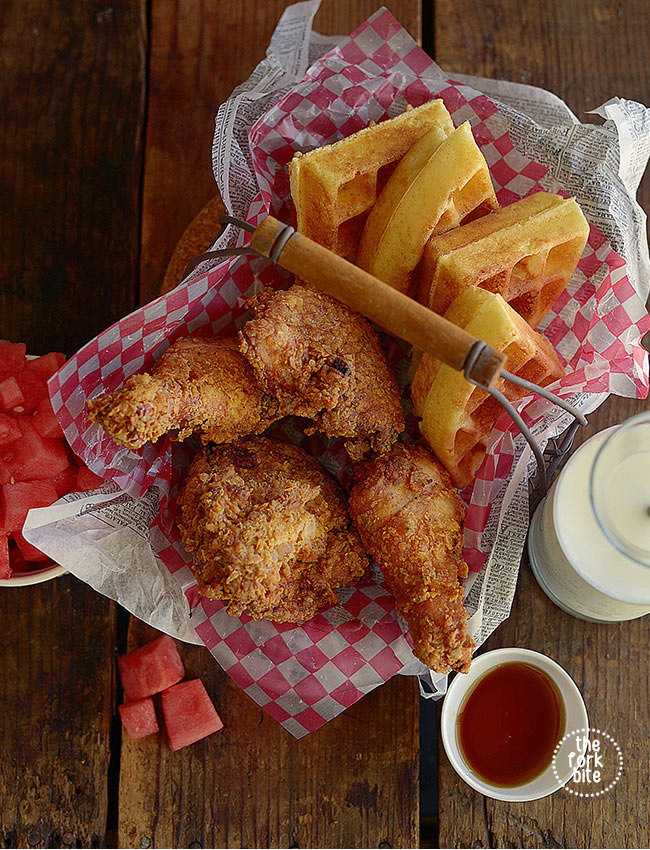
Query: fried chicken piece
column 198, row 386
column 410, row 520
column 269, row 530
column 324, row 362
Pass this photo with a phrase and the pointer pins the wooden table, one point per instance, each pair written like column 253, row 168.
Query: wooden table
column 107, row 117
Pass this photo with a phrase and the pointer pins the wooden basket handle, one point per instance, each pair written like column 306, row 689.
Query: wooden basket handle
column 397, row 313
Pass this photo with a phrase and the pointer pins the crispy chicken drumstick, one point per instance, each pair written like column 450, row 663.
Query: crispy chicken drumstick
column 269, row 529
column 198, row 386
column 324, row 362
column 410, row 520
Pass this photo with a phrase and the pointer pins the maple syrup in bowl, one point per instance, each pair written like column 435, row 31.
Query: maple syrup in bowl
column 504, row 723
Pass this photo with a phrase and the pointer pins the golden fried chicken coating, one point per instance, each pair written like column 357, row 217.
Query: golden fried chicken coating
column 410, row 520
column 322, row 361
column 198, row 386
column 269, row 530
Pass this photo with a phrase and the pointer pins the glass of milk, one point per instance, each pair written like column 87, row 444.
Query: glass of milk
column 589, row 539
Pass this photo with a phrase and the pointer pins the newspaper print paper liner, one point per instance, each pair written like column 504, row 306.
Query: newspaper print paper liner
column 304, row 676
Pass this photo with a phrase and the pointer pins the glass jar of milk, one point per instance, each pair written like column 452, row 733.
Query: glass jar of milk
column 589, row 539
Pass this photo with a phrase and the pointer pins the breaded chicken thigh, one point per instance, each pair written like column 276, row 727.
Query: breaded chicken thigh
column 269, row 530
column 410, row 520
column 324, row 362
column 198, row 386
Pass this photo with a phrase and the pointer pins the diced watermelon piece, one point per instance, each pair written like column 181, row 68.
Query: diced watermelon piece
column 29, row 552
column 5, row 566
column 33, row 389
column 9, row 430
column 189, row 714
column 18, row 499
column 12, row 358
column 11, row 395
column 33, row 457
column 150, row 668
column 5, row 470
column 26, row 425
column 44, row 367
column 66, row 481
column 45, row 421
column 139, row 718
column 87, row 480
column 20, row 565
column 16, row 559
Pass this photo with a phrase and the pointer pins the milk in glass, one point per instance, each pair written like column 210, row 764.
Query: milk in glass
column 589, row 540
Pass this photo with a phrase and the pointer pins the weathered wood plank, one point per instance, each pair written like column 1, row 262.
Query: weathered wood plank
column 70, row 152
column 584, row 52
column 608, row 664
column 71, row 102
column 353, row 783
column 334, row 17
column 56, row 693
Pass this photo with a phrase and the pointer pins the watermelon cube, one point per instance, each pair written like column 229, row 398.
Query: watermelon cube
column 87, row 480
column 139, row 718
column 189, row 714
column 18, row 499
column 32, row 457
column 45, row 421
column 66, row 481
column 44, row 367
column 16, row 559
column 5, row 566
column 9, row 430
column 150, row 668
column 5, row 469
column 33, row 389
column 11, row 395
column 12, row 358
column 28, row 551
column 26, row 425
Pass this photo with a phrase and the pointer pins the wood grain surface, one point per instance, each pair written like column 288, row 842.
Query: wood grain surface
column 106, row 117
column 57, row 700
column 71, row 113
column 72, row 104
column 585, row 53
column 253, row 784
column 351, row 784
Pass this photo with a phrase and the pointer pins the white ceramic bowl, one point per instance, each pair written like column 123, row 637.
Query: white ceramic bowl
column 33, row 576
column 575, row 714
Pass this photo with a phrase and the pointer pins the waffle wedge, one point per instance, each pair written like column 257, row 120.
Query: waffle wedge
column 437, row 184
column 334, row 187
column 526, row 252
column 457, row 417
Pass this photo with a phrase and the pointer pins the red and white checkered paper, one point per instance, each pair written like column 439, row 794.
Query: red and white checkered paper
column 305, row 675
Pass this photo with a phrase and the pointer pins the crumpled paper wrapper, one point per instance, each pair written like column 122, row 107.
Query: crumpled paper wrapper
column 310, row 91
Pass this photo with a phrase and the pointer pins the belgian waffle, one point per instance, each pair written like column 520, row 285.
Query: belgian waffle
column 457, row 417
column 334, row 187
column 438, row 183
column 526, row 252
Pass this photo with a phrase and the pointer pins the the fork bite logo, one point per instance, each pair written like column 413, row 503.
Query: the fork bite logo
column 592, row 757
